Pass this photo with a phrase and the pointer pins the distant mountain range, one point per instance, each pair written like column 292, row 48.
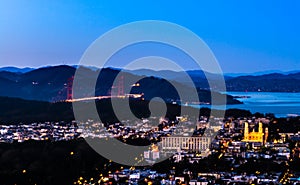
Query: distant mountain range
column 272, row 82
column 156, row 73
column 38, row 84
column 50, row 84
column 16, row 69
column 261, row 73
column 147, row 72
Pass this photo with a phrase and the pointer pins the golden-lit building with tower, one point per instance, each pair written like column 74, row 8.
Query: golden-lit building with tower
column 252, row 136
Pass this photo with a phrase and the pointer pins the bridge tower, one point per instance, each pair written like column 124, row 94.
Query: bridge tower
column 70, row 88
column 118, row 88
column 121, row 86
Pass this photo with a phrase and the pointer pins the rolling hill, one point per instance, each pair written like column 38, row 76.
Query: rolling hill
column 50, row 84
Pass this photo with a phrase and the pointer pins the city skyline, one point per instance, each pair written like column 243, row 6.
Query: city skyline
column 244, row 36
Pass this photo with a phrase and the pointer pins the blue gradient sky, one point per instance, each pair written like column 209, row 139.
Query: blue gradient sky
column 246, row 36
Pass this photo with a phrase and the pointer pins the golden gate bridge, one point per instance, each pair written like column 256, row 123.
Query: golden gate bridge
column 116, row 91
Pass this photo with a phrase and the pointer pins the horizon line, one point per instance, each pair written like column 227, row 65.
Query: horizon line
column 270, row 71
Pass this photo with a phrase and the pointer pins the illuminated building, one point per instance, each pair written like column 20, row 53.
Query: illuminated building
column 192, row 144
column 253, row 136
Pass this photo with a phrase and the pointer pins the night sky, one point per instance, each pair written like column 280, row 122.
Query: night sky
column 245, row 36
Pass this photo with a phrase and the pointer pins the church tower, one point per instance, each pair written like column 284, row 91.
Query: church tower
column 260, row 127
column 266, row 135
column 246, row 131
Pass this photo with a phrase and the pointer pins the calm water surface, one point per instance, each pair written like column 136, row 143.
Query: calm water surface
column 280, row 104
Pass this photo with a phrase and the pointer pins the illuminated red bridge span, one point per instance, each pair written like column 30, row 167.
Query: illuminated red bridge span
column 105, row 97
column 114, row 92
